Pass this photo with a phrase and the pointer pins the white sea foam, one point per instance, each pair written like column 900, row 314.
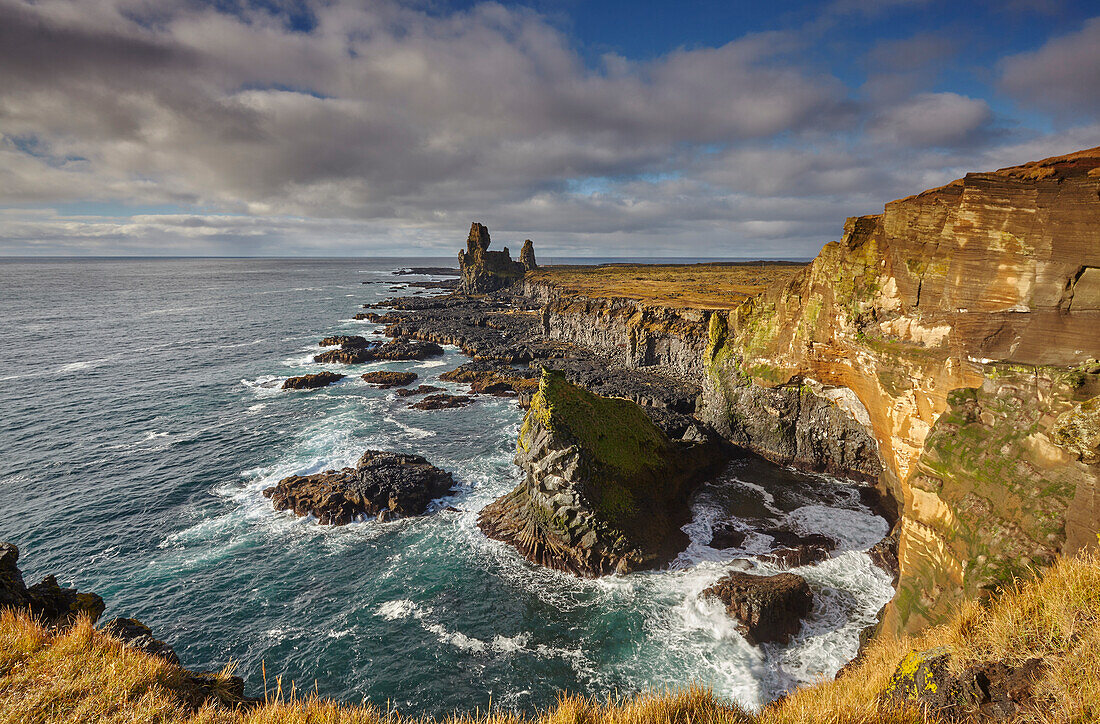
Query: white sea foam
column 853, row 529
column 432, row 363
column 394, row 610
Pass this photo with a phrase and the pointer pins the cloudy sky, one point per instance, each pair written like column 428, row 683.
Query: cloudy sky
column 713, row 128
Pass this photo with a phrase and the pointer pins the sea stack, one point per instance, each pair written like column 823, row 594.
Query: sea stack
column 486, row 271
column 527, row 256
column 605, row 489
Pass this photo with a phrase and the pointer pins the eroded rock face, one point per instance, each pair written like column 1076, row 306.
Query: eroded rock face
column 46, row 600
column 487, row 271
column 767, row 608
column 382, row 484
column 310, row 382
column 604, row 490
column 963, row 320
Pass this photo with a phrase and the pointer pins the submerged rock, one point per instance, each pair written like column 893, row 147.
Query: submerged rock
column 383, row 484
column 418, row 390
column 310, row 382
column 767, row 608
column 46, row 600
column 483, row 270
column 605, row 490
column 388, row 378
column 442, row 402
column 396, row 350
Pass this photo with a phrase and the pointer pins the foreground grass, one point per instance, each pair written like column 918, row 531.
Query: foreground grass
column 80, row 675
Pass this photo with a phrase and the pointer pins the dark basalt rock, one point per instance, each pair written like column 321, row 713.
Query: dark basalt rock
column 442, row 402
column 494, row 378
column 418, row 390
column 46, row 600
column 725, row 536
column 605, row 490
column 483, row 270
column 383, row 484
column 310, row 382
column 386, row 378
column 344, row 340
column 137, row 635
column 397, row 350
column 884, row 554
column 796, row 549
column 527, row 256
column 767, row 608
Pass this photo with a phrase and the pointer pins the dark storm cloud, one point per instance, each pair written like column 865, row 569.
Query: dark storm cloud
column 296, row 127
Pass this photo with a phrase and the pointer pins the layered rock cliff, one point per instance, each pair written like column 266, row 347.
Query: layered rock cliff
column 942, row 348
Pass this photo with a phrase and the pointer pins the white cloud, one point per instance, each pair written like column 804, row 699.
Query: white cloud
column 1062, row 77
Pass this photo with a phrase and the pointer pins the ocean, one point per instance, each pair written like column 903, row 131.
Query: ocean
column 141, row 417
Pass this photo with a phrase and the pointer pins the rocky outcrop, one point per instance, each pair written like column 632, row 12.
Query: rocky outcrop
column 767, row 608
column 494, row 378
column 527, row 256
column 604, row 489
column 137, row 635
column 418, row 390
column 962, row 321
column 487, row 271
column 343, row 340
column 311, row 382
column 395, row 350
column 388, row 378
column 442, row 401
column 382, row 484
column 45, row 600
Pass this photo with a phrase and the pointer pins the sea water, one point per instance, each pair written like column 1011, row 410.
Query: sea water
column 142, row 417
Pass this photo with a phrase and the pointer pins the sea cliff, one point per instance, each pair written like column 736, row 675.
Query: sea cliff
column 944, row 349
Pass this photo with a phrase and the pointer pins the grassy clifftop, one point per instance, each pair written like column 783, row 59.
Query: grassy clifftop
column 82, row 675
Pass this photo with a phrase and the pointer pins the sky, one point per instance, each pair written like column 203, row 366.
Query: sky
column 718, row 129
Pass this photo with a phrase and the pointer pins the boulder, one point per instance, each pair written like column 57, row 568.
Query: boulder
column 605, row 490
column 486, row 271
column 310, row 382
column 723, row 536
column 494, row 378
column 387, row 378
column 46, row 600
column 767, row 608
column 382, row 484
column 137, row 635
column 442, row 402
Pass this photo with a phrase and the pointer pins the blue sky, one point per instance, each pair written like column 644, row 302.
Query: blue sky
column 716, row 129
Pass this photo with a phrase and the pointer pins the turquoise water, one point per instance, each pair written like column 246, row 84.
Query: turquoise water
column 141, row 418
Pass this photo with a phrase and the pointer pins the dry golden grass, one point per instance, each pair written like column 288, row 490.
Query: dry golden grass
column 81, row 675
column 680, row 286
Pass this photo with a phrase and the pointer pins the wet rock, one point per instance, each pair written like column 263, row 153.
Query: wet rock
column 483, row 270
column 442, row 402
column 494, row 378
column 137, row 635
column 726, row 536
column 344, row 340
column 46, row 600
column 397, row 350
column 382, row 484
column 418, row 390
column 884, row 554
column 796, row 549
column 438, row 271
column 767, row 608
column 387, row 378
column 310, row 382
column 605, row 490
